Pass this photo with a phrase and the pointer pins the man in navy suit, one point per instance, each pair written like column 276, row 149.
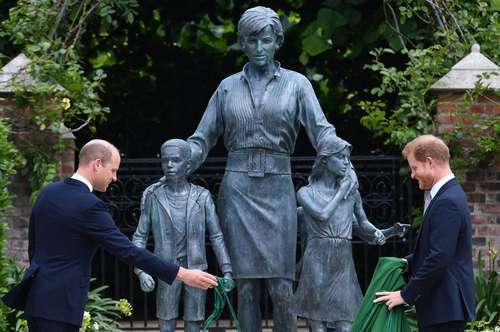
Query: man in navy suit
column 67, row 224
column 441, row 284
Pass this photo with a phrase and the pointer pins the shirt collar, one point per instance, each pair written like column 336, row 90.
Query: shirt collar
column 78, row 177
column 277, row 72
column 435, row 188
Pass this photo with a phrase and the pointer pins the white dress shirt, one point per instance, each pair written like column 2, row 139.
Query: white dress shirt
column 78, row 177
column 429, row 194
column 435, row 188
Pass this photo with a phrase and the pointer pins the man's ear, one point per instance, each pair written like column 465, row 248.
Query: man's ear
column 430, row 162
column 96, row 163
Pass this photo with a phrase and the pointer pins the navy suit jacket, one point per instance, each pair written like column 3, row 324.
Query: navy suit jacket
column 442, row 281
column 67, row 225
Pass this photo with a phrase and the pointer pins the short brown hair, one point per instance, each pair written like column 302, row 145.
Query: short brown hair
column 427, row 146
column 96, row 149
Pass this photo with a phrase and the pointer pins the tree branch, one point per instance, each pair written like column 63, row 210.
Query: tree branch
column 62, row 12
column 396, row 25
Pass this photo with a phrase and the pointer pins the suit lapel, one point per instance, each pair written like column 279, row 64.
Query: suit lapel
column 441, row 190
column 194, row 194
column 161, row 196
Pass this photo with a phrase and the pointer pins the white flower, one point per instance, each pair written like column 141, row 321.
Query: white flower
column 95, row 326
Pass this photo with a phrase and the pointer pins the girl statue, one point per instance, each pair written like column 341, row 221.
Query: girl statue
column 328, row 293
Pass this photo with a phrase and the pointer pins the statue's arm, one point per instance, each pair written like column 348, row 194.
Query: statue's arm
column 141, row 234
column 215, row 235
column 311, row 115
column 208, row 131
column 365, row 229
column 321, row 213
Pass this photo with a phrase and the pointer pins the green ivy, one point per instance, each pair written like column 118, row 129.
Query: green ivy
column 62, row 94
column 10, row 160
column 453, row 27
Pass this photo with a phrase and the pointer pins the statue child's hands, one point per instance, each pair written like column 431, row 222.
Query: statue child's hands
column 229, row 282
column 147, row 282
column 349, row 183
column 379, row 237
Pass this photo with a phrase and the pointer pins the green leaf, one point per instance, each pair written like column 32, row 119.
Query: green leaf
column 329, row 20
column 304, row 58
column 495, row 5
column 393, row 39
column 315, row 45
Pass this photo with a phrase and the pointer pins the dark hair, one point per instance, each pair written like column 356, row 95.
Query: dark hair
column 257, row 18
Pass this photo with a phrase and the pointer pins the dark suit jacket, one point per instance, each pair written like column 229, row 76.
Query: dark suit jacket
column 67, row 225
column 442, row 281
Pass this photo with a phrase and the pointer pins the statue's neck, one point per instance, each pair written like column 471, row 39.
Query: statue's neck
column 261, row 72
column 328, row 181
column 178, row 185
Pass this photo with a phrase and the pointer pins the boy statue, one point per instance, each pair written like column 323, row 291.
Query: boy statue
column 179, row 213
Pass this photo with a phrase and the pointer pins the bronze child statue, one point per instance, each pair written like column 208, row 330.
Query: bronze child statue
column 328, row 293
column 179, row 213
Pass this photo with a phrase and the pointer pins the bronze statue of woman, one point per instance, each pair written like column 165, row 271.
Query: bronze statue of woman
column 258, row 112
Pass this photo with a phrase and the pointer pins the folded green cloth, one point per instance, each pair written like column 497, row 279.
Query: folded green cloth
column 375, row 317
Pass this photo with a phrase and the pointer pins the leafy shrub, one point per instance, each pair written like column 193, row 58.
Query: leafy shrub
column 102, row 313
column 487, row 294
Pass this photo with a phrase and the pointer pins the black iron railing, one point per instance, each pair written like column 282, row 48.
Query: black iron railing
column 387, row 198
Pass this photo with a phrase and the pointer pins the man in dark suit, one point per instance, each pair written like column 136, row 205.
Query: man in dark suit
column 67, row 224
column 441, row 284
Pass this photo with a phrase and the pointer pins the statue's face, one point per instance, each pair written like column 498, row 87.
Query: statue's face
column 260, row 48
column 338, row 163
column 174, row 163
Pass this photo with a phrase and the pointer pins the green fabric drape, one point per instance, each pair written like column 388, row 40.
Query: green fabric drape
column 375, row 317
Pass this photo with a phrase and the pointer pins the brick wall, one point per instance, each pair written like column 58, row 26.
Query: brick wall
column 17, row 218
column 482, row 185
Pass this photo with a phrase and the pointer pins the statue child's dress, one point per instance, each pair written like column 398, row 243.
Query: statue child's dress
column 328, row 289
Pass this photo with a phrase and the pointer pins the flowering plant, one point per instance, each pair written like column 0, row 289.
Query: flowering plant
column 102, row 313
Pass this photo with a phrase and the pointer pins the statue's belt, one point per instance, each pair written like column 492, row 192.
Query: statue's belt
column 258, row 162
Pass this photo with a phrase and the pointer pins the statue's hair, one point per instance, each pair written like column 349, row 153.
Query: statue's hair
column 96, row 149
column 257, row 18
column 427, row 146
column 327, row 145
column 179, row 143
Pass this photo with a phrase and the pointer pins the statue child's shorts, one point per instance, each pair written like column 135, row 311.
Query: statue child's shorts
column 168, row 300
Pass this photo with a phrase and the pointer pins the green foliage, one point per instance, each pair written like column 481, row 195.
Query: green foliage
column 10, row 275
column 101, row 312
column 9, row 161
column 487, row 291
column 61, row 92
column 453, row 26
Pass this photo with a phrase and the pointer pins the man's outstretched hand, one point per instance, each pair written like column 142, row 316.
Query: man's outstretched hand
column 196, row 278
